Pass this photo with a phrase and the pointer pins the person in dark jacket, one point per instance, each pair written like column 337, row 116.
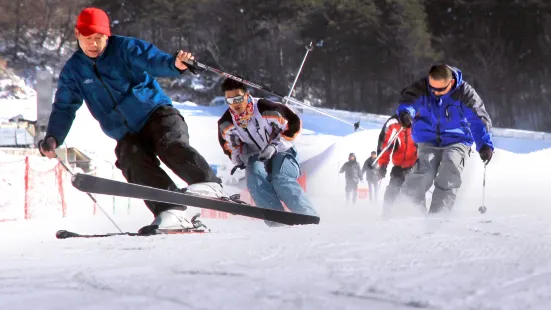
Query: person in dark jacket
column 371, row 176
column 404, row 156
column 115, row 76
column 446, row 117
column 353, row 176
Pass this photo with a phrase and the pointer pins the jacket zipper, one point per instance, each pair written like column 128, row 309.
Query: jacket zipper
column 438, row 118
column 251, row 136
column 125, row 122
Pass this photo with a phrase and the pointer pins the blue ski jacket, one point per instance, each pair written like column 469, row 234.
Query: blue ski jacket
column 456, row 117
column 118, row 87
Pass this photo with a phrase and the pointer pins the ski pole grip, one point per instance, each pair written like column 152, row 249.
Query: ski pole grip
column 192, row 66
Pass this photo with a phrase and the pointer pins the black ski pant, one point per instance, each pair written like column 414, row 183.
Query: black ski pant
column 351, row 190
column 373, row 184
column 165, row 137
column 397, row 179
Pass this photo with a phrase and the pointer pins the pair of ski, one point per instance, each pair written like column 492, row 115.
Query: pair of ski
column 96, row 185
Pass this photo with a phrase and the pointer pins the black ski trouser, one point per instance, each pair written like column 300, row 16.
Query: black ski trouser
column 165, row 137
column 397, row 179
column 373, row 184
column 351, row 191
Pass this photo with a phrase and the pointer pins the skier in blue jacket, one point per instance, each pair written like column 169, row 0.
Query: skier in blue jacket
column 446, row 116
column 115, row 76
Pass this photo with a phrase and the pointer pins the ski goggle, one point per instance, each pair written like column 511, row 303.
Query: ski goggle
column 439, row 89
column 236, row 99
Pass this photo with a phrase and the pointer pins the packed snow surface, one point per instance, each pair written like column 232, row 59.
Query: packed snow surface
column 353, row 260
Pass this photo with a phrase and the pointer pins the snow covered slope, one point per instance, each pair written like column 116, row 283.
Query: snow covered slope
column 512, row 181
column 352, row 260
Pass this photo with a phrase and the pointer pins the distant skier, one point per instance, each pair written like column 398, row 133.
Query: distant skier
column 446, row 116
column 353, row 176
column 404, row 156
column 371, row 176
column 257, row 135
column 115, row 76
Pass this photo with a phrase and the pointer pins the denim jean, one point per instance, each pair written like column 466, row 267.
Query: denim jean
column 268, row 190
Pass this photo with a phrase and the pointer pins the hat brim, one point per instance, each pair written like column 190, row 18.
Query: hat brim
column 88, row 30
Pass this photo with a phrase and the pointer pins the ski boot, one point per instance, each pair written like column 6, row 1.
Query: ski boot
column 173, row 221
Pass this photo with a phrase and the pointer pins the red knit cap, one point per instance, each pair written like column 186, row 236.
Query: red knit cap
column 93, row 20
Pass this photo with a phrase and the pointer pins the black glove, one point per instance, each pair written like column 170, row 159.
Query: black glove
column 191, row 67
column 382, row 172
column 486, row 153
column 47, row 145
column 405, row 119
column 242, row 166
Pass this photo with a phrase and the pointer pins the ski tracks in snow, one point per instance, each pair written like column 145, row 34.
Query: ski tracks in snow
column 459, row 263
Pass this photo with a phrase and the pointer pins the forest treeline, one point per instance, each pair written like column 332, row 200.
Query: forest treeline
column 365, row 51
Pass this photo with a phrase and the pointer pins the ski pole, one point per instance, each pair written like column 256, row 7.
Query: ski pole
column 390, row 142
column 309, row 48
column 482, row 209
column 90, row 195
column 195, row 65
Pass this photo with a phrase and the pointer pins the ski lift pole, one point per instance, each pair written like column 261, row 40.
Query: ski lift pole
column 309, row 48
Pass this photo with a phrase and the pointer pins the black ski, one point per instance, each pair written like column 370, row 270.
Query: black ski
column 97, row 185
column 149, row 230
column 64, row 234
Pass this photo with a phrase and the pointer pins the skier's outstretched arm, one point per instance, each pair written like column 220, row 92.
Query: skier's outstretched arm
column 66, row 103
column 145, row 56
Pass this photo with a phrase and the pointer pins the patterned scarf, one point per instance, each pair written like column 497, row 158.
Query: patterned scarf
column 243, row 118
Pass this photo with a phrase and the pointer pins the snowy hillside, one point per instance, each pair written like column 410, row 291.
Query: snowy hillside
column 14, row 87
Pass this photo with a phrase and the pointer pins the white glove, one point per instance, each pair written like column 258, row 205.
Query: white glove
column 267, row 152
